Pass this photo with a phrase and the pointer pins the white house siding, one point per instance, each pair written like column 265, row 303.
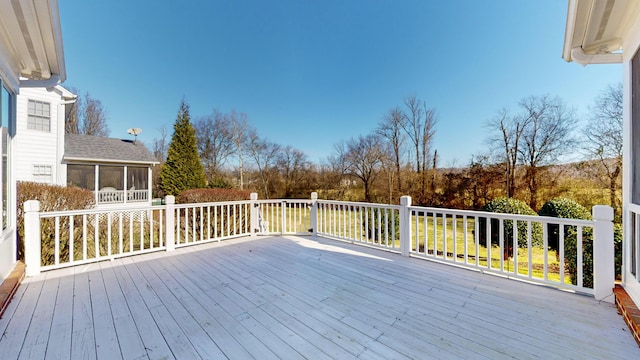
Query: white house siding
column 34, row 147
column 7, row 253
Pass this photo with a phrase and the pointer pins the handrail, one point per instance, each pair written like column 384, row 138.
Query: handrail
column 546, row 250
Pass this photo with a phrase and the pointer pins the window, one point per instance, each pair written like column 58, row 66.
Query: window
column 42, row 173
column 6, row 103
column 39, row 116
column 111, row 177
column 137, row 178
column 83, row 176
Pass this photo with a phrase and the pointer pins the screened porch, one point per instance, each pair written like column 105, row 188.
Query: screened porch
column 112, row 184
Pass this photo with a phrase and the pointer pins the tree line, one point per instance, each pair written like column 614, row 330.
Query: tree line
column 397, row 157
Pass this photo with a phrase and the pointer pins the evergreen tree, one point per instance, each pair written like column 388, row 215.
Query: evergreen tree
column 183, row 169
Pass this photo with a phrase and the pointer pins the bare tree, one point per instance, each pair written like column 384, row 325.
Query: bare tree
column 215, row 142
column 95, row 118
column 72, row 122
column 264, row 153
column 419, row 125
column 506, row 135
column 364, row 159
column 603, row 138
column 87, row 116
column 160, row 145
column 291, row 163
column 391, row 129
column 545, row 137
column 334, row 171
column 240, row 129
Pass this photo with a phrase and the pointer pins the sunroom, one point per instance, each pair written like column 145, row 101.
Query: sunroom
column 117, row 171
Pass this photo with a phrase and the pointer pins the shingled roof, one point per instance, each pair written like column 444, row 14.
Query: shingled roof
column 101, row 149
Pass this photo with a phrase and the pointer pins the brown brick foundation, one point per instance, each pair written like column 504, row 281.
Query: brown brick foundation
column 629, row 311
column 10, row 285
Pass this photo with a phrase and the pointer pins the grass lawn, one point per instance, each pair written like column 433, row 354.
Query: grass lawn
column 448, row 239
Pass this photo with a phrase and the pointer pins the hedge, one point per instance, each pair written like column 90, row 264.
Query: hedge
column 510, row 206
column 565, row 209
column 569, row 209
column 211, row 195
column 389, row 221
column 52, row 198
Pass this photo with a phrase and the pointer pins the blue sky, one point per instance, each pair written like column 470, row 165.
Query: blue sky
column 311, row 73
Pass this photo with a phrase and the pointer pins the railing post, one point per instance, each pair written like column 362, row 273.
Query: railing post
column 254, row 214
column 314, row 213
column 170, row 230
column 32, row 241
column 603, row 253
column 405, row 225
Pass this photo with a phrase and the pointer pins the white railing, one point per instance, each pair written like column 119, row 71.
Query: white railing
column 65, row 238
column 371, row 224
column 285, row 217
column 111, row 197
column 566, row 253
column 198, row 223
column 538, row 252
column 119, row 196
column 77, row 237
column 137, row 195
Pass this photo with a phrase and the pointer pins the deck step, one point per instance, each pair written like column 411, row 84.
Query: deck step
column 10, row 285
column 629, row 311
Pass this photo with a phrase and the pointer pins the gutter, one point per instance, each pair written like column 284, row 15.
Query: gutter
column 578, row 55
column 92, row 161
column 570, row 26
column 48, row 83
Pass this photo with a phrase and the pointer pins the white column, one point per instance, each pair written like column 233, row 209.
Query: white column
column 149, row 185
column 96, row 182
column 603, row 253
column 405, row 225
column 32, row 241
column 170, row 228
column 314, row 213
column 125, row 184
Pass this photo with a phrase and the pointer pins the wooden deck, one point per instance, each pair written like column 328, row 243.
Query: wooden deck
column 299, row 297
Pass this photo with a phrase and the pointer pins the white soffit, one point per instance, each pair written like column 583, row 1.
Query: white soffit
column 30, row 41
column 597, row 27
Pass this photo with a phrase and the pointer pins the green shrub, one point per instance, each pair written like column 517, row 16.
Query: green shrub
column 571, row 258
column 52, row 198
column 220, row 183
column 379, row 223
column 211, row 195
column 510, row 206
column 617, row 249
column 569, row 209
column 565, row 209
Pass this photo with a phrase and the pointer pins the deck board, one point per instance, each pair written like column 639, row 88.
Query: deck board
column 59, row 342
column 83, row 345
column 18, row 325
column 296, row 298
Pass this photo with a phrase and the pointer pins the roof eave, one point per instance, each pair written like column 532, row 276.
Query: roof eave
column 31, row 43
column 569, row 30
column 110, row 161
column 595, row 30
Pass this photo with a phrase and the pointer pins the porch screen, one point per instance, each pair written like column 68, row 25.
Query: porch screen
column 111, row 177
column 137, row 178
column 83, row 176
